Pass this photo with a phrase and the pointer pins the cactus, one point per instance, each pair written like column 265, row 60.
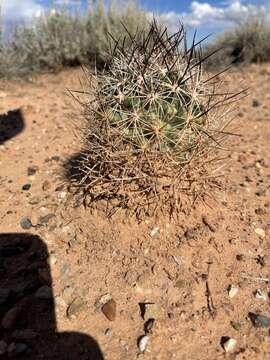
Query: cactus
column 153, row 120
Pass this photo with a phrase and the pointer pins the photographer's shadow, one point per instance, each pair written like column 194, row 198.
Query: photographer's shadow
column 28, row 323
column 11, row 125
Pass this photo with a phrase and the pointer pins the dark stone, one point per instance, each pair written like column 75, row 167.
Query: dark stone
column 256, row 103
column 31, row 170
column 26, row 187
column 26, row 223
column 259, row 320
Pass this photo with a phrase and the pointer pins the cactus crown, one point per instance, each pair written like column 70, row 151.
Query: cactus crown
column 152, row 121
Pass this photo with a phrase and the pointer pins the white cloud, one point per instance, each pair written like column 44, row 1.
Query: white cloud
column 206, row 15
column 13, row 10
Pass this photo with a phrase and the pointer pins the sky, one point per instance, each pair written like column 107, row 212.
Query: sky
column 208, row 17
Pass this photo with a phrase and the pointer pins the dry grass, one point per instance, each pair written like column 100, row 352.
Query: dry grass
column 153, row 125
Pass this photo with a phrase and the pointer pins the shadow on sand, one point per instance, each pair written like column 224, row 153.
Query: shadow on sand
column 28, row 319
column 11, row 124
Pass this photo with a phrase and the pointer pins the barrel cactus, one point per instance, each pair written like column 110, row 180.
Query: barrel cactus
column 154, row 121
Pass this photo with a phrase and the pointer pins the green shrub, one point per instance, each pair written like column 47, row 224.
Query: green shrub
column 247, row 42
column 153, row 124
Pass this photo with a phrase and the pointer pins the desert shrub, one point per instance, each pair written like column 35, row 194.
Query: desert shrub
column 153, row 124
column 61, row 38
column 248, row 42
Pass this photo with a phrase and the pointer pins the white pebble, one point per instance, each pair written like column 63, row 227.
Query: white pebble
column 229, row 345
column 143, row 343
column 262, row 295
column 260, row 232
column 232, row 290
column 154, row 231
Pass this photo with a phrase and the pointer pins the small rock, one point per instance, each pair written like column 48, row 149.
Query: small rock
column 262, row 295
column 52, row 260
column 75, row 307
column 68, row 292
column 102, row 301
column 149, row 325
column 180, row 284
column 44, row 292
column 228, row 344
column 236, row 325
column 45, row 219
column 109, row 310
column 64, row 271
column 259, row 320
column 26, row 223
column 34, row 200
column 256, row 103
column 232, row 290
column 3, row 347
column 31, row 170
column 151, row 311
column 260, row 232
column 46, row 185
column 25, row 334
column 55, row 158
column 26, row 187
column 108, row 332
column 154, row 231
column 143, row 342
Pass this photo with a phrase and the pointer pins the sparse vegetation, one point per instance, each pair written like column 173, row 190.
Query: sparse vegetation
column 154, row 122
column 61, row 39
column 248, row 42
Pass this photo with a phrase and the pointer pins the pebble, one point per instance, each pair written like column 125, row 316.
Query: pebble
column 3, row 347
column 259, row 320
column 236, row 325
column 68, row 292
column 31, row 170
column 262, row 295
column 151, row 311
column 26, row 187
column 44, row 292
column 26, row 223
column 149, row 325
column 260, row 232
column 75, row 307
column 109, row 310
column 34, row 200
column 256, row 103
column 154, row 231
column 232, row 290
column 102, row 300
column 108, row 332
column 229, row 344
column 52, row 260
column 143, row 342
column 45, row 219
column 46, row 185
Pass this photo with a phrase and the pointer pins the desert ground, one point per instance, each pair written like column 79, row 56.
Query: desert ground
column 173, row 289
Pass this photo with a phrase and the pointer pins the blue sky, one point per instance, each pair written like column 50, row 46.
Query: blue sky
column 209, row 16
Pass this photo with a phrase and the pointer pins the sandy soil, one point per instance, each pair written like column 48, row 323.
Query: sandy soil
column 184, row 268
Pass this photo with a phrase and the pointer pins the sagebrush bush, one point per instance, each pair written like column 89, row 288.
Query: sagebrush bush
column 154, row 122
column 61, row 38
column 248, row 42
